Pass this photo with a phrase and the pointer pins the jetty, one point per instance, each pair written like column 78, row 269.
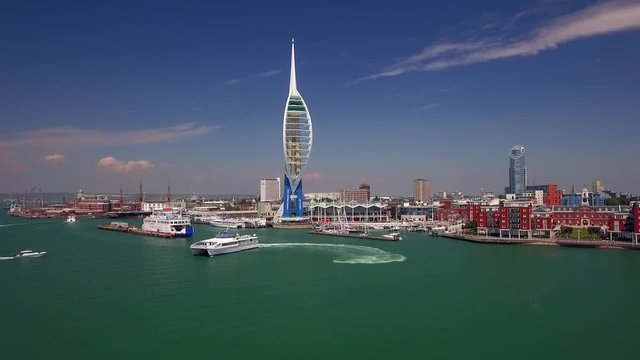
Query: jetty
column 596, row 244
column 125, row 228
column 356, row 235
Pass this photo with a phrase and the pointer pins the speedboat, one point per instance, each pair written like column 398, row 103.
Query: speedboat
column 392, row 236
column 71, row 218
column 224, row 243
column 29, row 254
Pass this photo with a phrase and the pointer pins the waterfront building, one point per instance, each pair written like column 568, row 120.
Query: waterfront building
column 331, row 196
column 517, row 171
column 366, row 187
column 267, row 210
column 297, row 140
column 551, row 195
column 348, row 212
column 487, row 219
column 627, row 225
column 585, row 198
column 154, row 205
column 549, row 220
column 515, row 219
column 421, row 190
column 537, row 196
column 357, row 195
column 270, row 189
column 421, row 213
column 633, row 223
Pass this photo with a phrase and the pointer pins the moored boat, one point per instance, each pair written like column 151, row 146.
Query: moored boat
column 168, row 221
column 227, row 223
column 392, row 236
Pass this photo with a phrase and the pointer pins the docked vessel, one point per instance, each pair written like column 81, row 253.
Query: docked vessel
column 168, row 221
column 71, row 219
column 392, row 236
column 227, row 223
column 224, row 243
column 29, row 254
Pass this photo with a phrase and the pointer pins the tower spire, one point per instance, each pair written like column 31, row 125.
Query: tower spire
column 292, row 83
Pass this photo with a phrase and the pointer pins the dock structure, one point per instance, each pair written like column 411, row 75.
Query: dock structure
column 125, row 228
column 596, row 244
column 355, row 236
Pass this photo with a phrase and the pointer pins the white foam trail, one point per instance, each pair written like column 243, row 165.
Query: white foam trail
column 24, row 223
column 6, row 258
column 348, row 254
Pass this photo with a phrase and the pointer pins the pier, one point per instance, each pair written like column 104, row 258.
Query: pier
column 355, row 236
column 595, row 244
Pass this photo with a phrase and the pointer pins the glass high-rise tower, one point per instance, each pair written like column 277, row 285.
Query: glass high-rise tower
column 517, row 171
column 297, row 138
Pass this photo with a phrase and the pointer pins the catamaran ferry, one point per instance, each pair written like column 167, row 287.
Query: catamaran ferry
column 224, row 243
column 168, row 221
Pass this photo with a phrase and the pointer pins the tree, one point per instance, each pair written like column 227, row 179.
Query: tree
column 471, row 226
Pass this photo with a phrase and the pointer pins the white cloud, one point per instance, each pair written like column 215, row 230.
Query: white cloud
column 253, row 77
column 425, row 107
column 112, row 164
column 66, row 137
column 600, row 19
column 311, row 176
column 53, row 158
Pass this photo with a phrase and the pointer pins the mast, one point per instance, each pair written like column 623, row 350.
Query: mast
column 293, row 88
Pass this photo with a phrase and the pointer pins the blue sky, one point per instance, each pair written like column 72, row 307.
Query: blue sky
column 95, row 95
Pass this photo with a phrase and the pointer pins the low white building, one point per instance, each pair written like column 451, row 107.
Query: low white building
column 150, row 206
column 333, row 196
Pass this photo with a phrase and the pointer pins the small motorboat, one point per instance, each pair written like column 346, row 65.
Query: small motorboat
column 71, row 218
column 392, row 236
column 29, row 254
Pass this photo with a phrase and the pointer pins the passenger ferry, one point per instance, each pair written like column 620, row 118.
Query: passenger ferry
column 168, row 221
column 224, row 243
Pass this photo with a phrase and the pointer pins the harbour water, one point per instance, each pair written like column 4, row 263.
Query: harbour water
column 105, row 295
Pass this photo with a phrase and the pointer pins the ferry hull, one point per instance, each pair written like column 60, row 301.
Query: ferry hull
column 216, row 252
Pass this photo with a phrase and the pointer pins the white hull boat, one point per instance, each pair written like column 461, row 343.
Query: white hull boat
column 224, row 243
column 30, row 254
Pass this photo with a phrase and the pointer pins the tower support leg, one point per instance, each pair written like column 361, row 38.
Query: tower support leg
column 299, row 200
column 286, row 201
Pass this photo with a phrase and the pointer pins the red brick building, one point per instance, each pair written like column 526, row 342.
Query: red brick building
column 510, row 219
column 551, row 194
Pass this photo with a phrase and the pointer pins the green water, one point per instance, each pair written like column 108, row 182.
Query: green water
column 108, row 295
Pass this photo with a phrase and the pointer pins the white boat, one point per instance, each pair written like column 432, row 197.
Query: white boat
column 71, row 219
column 392, row 236
column 168, row 221
column 224, row 243
column 255, row 223
column 438, row 230
column 227, row 223
column 29, row 254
